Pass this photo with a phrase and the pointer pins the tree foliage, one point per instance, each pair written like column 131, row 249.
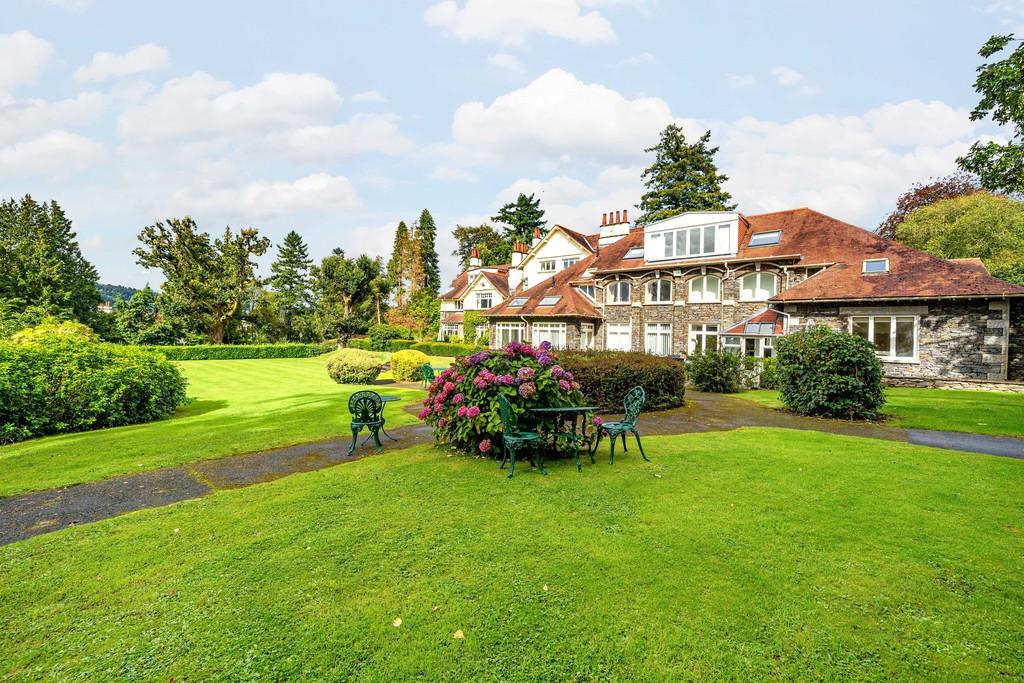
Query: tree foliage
column 400, row 263
column 1001, row 86
column 520, row 218
column 923, row 194
column 493, row 248
column 291, row 286
column 429, row 270
column 42, row 270
column 683, row 177
column 982, row 225
column 206, row 281
column 137, row 320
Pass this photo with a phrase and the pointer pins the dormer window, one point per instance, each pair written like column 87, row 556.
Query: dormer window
column 763, row 239
column 876, row 265
column 586, row 290
column 547, row 266
column 458, row 304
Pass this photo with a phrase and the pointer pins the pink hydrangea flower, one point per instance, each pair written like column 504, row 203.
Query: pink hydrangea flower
column 462, row 411
column 525, row 373
column 527, row 389
column 473, row 411
column 485, row 445
column 598, row 421
column 440, row 423
column 460, row 378
column 448, row 386
column 557, row 372
column 480, row 383
column 458, row 398
column 564, row 385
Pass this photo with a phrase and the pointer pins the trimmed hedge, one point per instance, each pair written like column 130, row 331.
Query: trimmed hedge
column 717, row 371
column 365, row 344
column 354, row 366
column 829, row 373
column 55, row 379
column 606, row 376
column 407, row 365
column 241, row 351
column 449, row 349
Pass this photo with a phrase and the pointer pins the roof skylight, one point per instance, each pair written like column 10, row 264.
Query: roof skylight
column 635, row 252
column 518, row 301
column 876, row 265
column 549, row 301
column 763, row 239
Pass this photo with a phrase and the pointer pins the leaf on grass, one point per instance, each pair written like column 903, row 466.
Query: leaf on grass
column 436, row 607
column 459, row 635
column 397, row 622
column 545, row 588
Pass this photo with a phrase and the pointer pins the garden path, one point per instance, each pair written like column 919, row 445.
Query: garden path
column 31, row 514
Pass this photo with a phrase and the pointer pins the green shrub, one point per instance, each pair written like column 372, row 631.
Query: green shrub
column 829, row 373
column 61, row 380
column 447, row 349
column 768, row 378
column 362, row 343
column 606, row 376
column 470, row 321
column 407, row 365
column 241, row 351
column 716, row 370
column 381, row 335
column 354, row 366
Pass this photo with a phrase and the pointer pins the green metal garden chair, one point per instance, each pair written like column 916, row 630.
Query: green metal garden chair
column 428, row 374
column 632, row 404
column 366, row 408
column 512, row 439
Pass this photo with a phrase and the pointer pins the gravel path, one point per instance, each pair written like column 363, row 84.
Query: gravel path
column 41, row 512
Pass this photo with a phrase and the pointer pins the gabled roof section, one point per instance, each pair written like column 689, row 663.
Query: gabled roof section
column 458, row 286
column 570, row 303
column 583, row 240
column 768, row 321
column 496, row 275
column 499, row 281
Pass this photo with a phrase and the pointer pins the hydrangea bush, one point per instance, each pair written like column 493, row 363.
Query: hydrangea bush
column 462, row 402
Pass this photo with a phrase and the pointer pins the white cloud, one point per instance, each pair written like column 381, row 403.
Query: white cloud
column 70, row 5
column 107, row 65
column 558, row 118
column 503, row 60
column 511, row 23
column 262, row 199
column 20, row 120
column 556, row 190
column 789, row 77
column 23, row 57
column 640, row 59
column 451, row 174
column 201, row 108
column 57, row 153
column 362, row 134
column 739, row 81
column 369, row 96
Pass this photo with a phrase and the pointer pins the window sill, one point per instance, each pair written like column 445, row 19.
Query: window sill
column 617, row 303
column 658, row 303
column 902, row 361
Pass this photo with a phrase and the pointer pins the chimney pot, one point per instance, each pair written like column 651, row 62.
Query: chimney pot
column 625, row 215
column 604, row 219
column 536, row 233
column 617, row 220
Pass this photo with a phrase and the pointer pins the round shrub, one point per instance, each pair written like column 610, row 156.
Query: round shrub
column 768, row 377
column 62, row 380
column 829, row 373
column 462, row 402
column 407, row 366
column 716, row 370
column 381, row 335
column 606, row 376
column 354, row 366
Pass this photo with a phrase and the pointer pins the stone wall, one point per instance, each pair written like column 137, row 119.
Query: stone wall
column 971, row 384
column 958, row 339
column 1015, row 355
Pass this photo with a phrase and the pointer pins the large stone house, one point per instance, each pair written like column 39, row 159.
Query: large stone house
column 723, row 279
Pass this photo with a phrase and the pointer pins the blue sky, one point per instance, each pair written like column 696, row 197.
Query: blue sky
column 338, row 119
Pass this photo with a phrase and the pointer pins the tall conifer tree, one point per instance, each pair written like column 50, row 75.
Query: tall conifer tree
column 426, row 241
column 398, row 264
column 291, row 280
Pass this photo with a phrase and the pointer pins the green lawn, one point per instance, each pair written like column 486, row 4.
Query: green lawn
column 241, row 406
column 982, row 412
column 751, row 554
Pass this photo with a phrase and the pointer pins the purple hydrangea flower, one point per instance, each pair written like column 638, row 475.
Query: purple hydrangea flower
column 525, row 373
column 545, row 346
column 507, row 380
column 527, row 389
column 473, row 411
column 564, row 385
column 567, row 375
column 598, row 421
column 557, row 372
column 544, row 359
column 457, row 399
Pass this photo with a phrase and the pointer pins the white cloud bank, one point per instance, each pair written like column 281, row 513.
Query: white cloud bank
column 23, row 57
column 512, row 23
column 57, row 153
column 259, row 200
column 107, row 65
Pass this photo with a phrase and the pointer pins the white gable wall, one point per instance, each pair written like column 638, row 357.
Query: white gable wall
column 555, row 246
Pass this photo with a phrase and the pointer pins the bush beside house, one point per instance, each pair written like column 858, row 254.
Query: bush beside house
column 407, row 365
column 606, row 376
column 831, row 374
column 354, row 366
column 60, row 378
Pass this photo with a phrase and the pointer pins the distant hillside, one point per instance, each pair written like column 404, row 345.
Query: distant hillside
column 112, row 293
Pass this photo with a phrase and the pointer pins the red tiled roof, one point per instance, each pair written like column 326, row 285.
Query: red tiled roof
column 452, row 316
column 975, row 263
column 583, row 240
column 499, row 281
column 766, row 317
column 458, row 284
column 570, row 302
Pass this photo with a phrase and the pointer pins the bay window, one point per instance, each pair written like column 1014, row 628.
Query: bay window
column 757, row 286
column 895, row 337
column 705, row 289
column 658, row 340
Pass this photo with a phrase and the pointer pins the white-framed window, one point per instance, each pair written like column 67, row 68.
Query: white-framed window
column 619, row 292
column 757, row 286
column 876, row 265
column 458, row 304
column 658, row 339
column 895, row 336
column 763, row 239
column 705, row 289
column 619, row 336
column 518, row 301
column 570, row 261
column 703, row 337
column 549, row 332
column 700, row 240
column 634, row 252
column 659, row 291
column 587, row 336
column 733, row 344
column 483, row 300
column 506, row 333
column 451, row 329
column 586, row 290
column 548, row 265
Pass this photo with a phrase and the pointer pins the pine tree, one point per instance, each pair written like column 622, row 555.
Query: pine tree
column 398, row 264
column 520, row 218
column 291, row 281
column 426, row 241
column 682, row 178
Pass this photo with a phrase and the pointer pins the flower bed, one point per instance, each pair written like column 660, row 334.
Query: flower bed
column 462, row 402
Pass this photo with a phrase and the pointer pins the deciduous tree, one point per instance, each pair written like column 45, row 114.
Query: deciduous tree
column 492, row 247
column 923, row 194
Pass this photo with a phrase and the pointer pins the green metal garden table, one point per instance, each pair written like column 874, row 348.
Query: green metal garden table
column 385, row 400
column 564, row 419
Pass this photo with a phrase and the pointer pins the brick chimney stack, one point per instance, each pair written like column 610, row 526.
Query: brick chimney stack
column 536, row 236
column 604, row 219
column 474, row 259
column 614, row 225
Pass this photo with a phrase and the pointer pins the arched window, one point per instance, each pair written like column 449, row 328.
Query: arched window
column 659, row 292
column 704, row 289
column 618, row 292
column 757, row 286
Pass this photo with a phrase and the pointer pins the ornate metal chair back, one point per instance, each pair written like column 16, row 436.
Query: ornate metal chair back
column 508, row 415
column 633, row 403
column 428, row 372
column 365, row 406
